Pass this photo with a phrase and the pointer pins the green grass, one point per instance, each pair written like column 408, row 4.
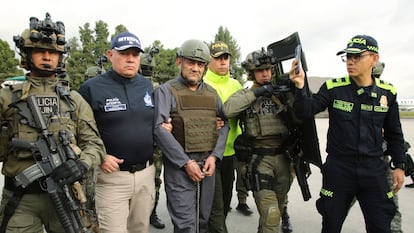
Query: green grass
column 407, row 114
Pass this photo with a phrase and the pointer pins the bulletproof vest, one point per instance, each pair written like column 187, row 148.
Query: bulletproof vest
column 194, row 117
column 263, row 119
column 58, row 114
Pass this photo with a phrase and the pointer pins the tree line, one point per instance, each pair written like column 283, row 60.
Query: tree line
column 87, row 51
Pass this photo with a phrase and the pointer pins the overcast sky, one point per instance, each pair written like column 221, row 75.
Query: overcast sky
column 324, row 26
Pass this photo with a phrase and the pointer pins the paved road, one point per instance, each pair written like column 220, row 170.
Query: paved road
column 304, row 216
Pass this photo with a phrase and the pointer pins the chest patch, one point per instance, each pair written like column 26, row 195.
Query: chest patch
column 49, row 105
column 113, row 105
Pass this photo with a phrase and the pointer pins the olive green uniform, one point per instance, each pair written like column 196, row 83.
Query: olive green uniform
column 35, row 210
column 266, row 130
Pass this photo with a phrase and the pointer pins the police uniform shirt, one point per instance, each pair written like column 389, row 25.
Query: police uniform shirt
column 356, row 117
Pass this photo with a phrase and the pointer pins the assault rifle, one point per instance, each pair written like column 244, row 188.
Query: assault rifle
column 69, row 201
column 409, row 168
column 409, row 163
column 301, row 166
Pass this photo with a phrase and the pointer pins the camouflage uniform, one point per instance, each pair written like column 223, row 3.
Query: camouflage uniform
column 396, row 221
column 263, row 116
column 63, row 110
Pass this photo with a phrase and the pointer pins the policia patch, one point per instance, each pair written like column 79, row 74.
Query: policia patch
column 49, row 105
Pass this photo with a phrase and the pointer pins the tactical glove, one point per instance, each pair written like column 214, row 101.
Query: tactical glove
column 70, row 171
column 265, row 90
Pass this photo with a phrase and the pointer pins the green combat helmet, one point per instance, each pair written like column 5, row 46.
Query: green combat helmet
column 378, row 69
column 93, row 71
column 195, row 50
column 147, row 64
column 44, row 34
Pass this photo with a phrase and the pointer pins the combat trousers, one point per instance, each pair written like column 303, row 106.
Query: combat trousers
column 270, row 203
column 222, row 195
column 34, row 212
column 241, row 189
column 365, row 179
column 396, row 223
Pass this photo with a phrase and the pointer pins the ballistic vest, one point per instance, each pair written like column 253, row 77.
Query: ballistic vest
column 58, row 114
column 263, row 119
column 194, row 117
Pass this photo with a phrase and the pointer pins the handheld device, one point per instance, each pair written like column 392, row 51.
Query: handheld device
column 298, row 57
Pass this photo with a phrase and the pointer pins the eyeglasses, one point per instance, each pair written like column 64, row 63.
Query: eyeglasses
column 354, row 57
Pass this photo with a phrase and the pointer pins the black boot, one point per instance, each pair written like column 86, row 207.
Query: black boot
column 286, row 226
column 154, row 220
column 410, row 185
column 244, row 209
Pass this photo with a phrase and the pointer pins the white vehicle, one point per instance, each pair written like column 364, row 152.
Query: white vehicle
column 13, row 80
column 406, row 104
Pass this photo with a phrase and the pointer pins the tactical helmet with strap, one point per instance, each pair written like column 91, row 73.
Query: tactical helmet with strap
column 259, row 59
column 44, row 34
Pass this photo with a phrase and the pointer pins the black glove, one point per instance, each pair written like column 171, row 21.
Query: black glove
column 70, row 171
column 265, row 90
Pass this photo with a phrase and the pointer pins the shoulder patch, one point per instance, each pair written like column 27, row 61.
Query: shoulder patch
column 385, row 85
column 338, row 82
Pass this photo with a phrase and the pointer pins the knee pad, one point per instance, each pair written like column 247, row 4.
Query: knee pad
column 272, row 216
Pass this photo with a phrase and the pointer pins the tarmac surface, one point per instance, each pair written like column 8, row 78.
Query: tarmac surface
column 303, row 215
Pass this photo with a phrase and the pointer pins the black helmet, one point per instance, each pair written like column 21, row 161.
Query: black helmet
column 259, row 59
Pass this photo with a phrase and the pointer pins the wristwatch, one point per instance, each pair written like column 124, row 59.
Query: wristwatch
column 400, row 166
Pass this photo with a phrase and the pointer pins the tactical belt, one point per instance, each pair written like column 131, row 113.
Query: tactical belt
column 33, row 188
column 268, row 151
column 356, row 158
column 136, row 167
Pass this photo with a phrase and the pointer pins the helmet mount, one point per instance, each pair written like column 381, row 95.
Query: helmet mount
column 43, row 34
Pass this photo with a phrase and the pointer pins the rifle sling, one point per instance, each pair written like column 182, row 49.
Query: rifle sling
column 14, row 201
column 10, row 208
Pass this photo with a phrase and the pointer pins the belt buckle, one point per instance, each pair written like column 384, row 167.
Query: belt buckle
column 133, row 169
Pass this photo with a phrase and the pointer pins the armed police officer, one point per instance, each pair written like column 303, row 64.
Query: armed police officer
column 39, row 117
column 362, row 112
column 263, row 116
